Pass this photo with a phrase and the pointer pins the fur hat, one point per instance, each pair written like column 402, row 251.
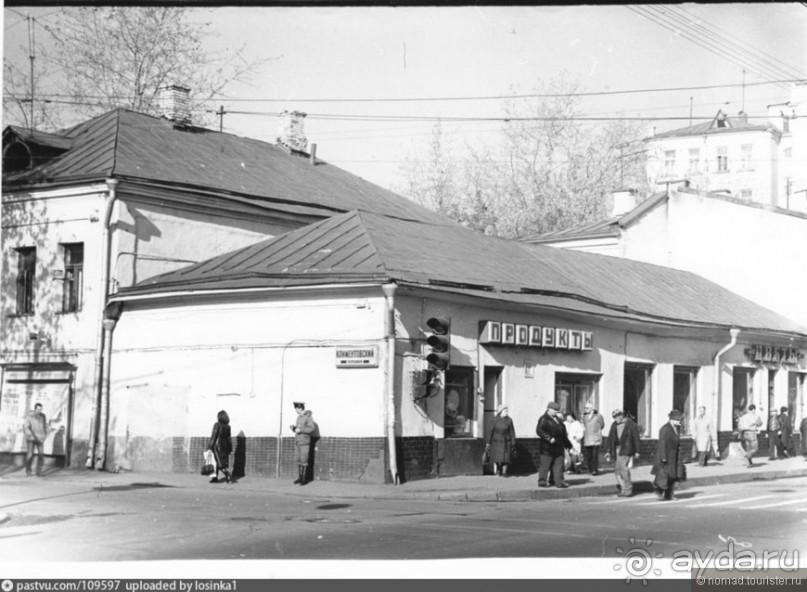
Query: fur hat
column 298, row 405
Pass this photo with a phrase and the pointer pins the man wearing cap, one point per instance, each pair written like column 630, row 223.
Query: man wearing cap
column 623, row 445
column 669, row 465
column 303, row 429
column 552, row 445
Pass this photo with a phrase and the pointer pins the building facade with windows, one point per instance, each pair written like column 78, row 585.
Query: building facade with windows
column 757, row 160
column 113, row 201
column 339, row 314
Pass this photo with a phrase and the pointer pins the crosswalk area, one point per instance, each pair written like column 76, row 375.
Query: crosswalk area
column 791, row 501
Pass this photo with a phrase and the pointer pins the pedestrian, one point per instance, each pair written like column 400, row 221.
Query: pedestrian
column 221, row 444
column 575, row 431
column 803, row 430
column 774, row 431
column 36, row 430
column 552, row 445
column 623, row 445
column 593, row 424
column 502, row 441
column 303, row 429
column 669, row 466
column 785, row 435
column 704, row 435
column 748, row 427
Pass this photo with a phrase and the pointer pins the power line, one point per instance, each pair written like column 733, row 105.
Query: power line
column 467, row 98
column 662, row 19
column 721, row 40
column 741, row 42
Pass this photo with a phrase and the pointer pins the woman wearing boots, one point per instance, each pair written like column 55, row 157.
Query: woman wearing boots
column 303, row 429
column 502, row 441
column 221, row 444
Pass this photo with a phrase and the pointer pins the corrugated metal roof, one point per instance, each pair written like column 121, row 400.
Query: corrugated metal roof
column 131, row 145
column 608, row 227
column 732, row 125
column 361, row 247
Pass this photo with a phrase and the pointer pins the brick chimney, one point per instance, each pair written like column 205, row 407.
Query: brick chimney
column 174, row 104
column 291, row 130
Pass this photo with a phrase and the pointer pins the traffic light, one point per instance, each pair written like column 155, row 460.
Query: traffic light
column 439, row 342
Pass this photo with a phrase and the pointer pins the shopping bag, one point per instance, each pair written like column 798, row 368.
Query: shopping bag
column 209, row 463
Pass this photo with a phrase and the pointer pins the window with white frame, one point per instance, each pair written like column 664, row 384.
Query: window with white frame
column 637, row 394
column 26, row 270
column 746, row 157
column 73, row 277
column 722, row 159
column 685, row 380
column 669, row 162
column 694, row 159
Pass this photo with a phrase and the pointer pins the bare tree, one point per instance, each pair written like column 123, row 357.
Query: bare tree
column 105, row 57
column 546, row 170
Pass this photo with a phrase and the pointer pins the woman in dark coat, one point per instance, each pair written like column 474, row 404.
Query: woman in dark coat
column 502, row 441
column 669, row 465
column 222, row 445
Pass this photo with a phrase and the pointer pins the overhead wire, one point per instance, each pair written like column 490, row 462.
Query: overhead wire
column 721, row 40
column 661, row 18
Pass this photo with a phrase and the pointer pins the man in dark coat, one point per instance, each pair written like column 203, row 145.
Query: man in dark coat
column 785, row 435
column 669, row 465
column 552, row 445
column 221, row 444
column 623, row 445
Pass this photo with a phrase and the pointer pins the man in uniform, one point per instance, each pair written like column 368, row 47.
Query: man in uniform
column 303, row 429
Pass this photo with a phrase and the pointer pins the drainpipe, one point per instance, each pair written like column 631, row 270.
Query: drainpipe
column 103, row 420
column 112, row 196
column 389, row 295
column 716, row 389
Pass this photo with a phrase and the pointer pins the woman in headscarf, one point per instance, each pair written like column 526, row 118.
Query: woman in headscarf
column 222, row 445
column 502, row 441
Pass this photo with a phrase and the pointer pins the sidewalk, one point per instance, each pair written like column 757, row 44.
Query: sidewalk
column 466, row 488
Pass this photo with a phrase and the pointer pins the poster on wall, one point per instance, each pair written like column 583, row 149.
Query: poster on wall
column 21, row 390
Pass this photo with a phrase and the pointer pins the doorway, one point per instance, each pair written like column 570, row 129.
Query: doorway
column 637, row 395
column 493, row 396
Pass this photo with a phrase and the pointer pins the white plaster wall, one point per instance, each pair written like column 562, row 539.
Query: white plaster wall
column 253, row 359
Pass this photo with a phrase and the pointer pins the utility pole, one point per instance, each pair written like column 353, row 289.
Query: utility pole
column 743, row 106
column 221, row 118
column 32, row 57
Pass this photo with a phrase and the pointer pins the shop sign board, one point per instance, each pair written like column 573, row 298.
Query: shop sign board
column 497, row 332
column 357, row 357
column 776, row 355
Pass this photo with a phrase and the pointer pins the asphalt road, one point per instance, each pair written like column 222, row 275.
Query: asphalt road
column 152, row 522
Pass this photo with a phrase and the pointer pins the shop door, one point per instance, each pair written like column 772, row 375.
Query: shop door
column 638, row 394
column 742, row 392
column 493, row 396
column 24, row 386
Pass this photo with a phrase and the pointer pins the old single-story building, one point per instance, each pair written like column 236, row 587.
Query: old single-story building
column 338, row 314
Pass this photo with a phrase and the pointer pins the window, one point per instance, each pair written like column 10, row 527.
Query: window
column 669, row 162
column 684, row 392
column 694, row 159
column 26, row 268
column 746, row 193
column 722, row 159
column 637, row 395
column 460, row 403
column 573, row 391
column 743, row 392
column 73, row 277
column 746, row 160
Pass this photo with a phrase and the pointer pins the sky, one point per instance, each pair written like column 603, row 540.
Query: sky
column 343, row 64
